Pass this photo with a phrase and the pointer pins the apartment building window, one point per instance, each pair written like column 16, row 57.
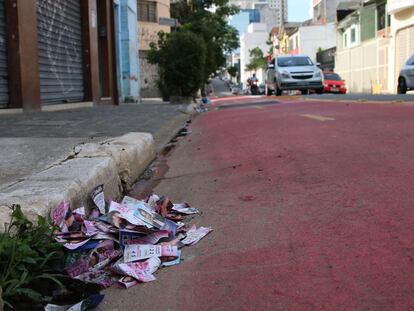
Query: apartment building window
column 345, row 40
column 147, row 11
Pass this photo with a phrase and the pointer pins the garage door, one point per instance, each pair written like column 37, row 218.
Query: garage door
column 404, row 46
column 4, row 90
column 60, row 51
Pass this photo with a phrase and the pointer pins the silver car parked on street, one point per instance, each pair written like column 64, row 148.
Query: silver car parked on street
column 406, row 77
column 293, row 72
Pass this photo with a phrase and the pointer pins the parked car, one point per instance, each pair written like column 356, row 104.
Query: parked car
column 293, row 72
column 333, row 83
column 406, row 77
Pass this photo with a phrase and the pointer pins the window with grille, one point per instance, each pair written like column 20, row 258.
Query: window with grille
column 147, row 11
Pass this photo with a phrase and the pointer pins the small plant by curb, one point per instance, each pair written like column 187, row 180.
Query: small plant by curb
column 28, row 254
column 30, row 260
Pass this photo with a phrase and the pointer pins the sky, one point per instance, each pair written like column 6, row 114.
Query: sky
column 299, row 10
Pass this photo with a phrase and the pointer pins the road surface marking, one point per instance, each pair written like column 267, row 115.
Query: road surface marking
column 316, row 117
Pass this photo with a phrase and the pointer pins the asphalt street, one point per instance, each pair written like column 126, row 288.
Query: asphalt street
column 311, row 205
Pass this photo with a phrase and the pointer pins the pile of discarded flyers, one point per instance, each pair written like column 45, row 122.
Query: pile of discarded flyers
column 124, row 242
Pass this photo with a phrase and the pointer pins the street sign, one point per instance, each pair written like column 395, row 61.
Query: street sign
column 165, row 21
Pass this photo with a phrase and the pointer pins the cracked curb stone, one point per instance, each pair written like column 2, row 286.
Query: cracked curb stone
column 116, row 163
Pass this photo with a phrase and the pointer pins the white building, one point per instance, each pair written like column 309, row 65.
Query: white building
column 272, row 12
column 307, row 40
column 256, row 36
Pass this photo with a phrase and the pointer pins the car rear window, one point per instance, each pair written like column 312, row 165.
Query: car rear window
column 294, row 61
column 332, row 76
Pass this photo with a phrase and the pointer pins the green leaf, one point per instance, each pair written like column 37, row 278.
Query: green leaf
column 32, row 294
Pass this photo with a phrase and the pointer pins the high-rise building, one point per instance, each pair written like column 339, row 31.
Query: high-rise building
column 272, row 12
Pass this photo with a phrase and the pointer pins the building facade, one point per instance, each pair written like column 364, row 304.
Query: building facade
column 256, row 36
column 151, row 15
column 62, row 52
column 402, row 36
column 309, row 40
column 363, row 48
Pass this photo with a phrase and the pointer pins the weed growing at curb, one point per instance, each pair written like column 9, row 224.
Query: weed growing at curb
column 28, row 256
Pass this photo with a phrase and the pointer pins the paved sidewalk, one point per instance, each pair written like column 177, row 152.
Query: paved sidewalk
column 32, row 142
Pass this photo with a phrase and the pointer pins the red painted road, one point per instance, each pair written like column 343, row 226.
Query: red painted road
column 312, row 206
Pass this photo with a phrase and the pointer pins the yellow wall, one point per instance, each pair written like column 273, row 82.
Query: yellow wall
column 284, row 44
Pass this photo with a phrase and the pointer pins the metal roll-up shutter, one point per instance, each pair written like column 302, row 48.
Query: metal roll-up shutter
column 4, row 89
column 60, row 51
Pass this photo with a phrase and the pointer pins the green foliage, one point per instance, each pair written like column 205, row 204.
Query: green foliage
column 208, row 20
column 181, row 56
column 233, row 70
column 28, row 254
column 257, row 60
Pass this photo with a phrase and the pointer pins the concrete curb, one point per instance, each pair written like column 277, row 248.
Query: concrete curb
column 117, row 163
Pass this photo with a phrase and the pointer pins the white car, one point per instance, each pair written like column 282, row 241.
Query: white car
column 293, row 72
column 406, row 77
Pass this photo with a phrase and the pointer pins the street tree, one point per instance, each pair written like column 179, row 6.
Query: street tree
column 208, row 20
column 181, row 57
column 257, row 60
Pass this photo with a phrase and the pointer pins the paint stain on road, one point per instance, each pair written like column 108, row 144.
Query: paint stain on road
column 316, row 117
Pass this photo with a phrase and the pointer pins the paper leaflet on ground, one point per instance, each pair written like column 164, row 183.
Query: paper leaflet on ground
column 98, row 198
column 76, row 245
column 185, row 208
column 152, row 201
column 86, row 304
column 80, row 211
column 171, row 227
column 138, row 214
column 148, row 235
column 128, row 237
column 59, row 214
column 172, row 262
column 194, row 235
column 104, row 236
column 140, row 252
column 141, row 271
column 142, row 211
column 131, row 215
column 127, row 281
column 99, row 277
column 89, row 228
column 99, row 257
